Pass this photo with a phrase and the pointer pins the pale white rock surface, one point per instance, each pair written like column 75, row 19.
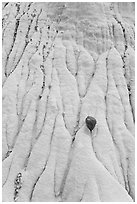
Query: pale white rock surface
column 62, row 62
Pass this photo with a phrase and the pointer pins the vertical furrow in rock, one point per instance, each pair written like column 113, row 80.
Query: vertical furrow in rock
column 55, row 101
column 37, row 190
column 85, row 71
column 130, row 77
column 6, row 166
column 10, row 115
column 122, row 138
column 116, row 66
column 70, row 57
column 70, row 97
column 23, row 143
column 44, row 138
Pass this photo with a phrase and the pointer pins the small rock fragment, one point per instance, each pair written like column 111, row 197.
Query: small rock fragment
column 90, row 122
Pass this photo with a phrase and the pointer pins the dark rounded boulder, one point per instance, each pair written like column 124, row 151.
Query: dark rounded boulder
column 90, row 122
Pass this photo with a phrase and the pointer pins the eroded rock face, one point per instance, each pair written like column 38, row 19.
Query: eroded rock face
column 63, row 62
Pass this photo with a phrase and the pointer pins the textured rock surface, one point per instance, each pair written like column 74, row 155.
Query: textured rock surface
column 63, row 62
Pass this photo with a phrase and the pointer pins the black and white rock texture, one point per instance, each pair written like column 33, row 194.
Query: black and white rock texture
column 63, row 62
